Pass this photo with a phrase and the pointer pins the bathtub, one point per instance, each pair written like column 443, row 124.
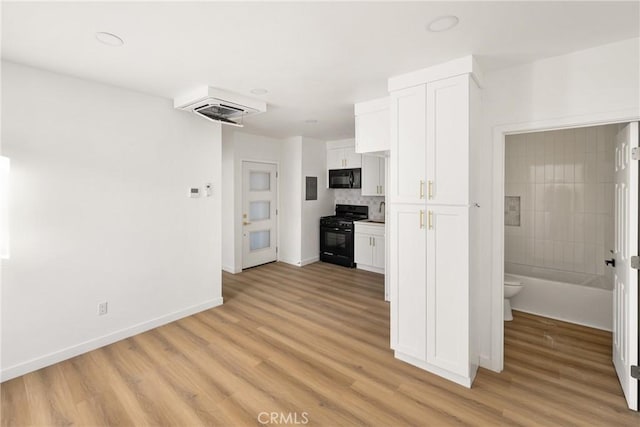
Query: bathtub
column 584, row 299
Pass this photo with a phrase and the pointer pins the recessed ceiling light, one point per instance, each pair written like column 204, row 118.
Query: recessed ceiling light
column 259, row 91
column 443, row 23
column 109, row 39
column 311, row 121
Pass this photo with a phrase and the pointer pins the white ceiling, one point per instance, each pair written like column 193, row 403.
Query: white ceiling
column 316, row 59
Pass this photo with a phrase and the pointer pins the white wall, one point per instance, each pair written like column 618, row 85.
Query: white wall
column 585, row 86
column 228, row 202
column 239, row 146
column 290, row 249
column 99, row 213
column 314, row 163
column 597, row 80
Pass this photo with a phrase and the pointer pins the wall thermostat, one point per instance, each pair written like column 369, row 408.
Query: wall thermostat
column 194, row 192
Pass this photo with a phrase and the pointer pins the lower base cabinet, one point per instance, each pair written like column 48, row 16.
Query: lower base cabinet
column 408, row 286
column 369, row 250
column 430, row 288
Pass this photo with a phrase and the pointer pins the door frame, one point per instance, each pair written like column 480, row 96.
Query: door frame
column 238, row 219
column 499, row 134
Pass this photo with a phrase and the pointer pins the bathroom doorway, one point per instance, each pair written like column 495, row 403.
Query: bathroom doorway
column 571, row 213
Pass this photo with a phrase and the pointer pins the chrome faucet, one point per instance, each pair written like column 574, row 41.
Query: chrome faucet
column 380, row 208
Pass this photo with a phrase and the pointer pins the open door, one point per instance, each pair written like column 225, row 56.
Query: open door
column 625, row 296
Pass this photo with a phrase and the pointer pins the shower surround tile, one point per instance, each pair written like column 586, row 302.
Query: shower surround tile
column 564, row 180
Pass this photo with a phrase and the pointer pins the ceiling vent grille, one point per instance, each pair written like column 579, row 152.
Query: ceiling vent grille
column 219, row 106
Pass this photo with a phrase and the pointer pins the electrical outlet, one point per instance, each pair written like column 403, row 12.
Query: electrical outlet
column 102, row 308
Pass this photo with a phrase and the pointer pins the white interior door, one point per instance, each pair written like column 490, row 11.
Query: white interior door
column 259, row 203
column 625, row 297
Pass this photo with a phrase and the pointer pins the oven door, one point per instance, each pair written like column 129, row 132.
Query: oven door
column 336, row 242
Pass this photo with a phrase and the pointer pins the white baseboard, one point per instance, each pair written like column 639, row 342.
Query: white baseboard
column 370, row 268
column 487, row 363
column 290, row 261
column 229, row 269
column 309, row 261
column 92, row 344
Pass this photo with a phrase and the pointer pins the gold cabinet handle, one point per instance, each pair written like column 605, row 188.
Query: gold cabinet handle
column 246, row 223
column 421, row 219
column 421, row 189
column 430, row 220
column 430, row 189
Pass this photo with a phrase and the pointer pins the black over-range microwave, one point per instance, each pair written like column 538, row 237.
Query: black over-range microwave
column 345, row 178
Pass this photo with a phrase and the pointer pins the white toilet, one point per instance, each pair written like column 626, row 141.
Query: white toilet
column 512, row 286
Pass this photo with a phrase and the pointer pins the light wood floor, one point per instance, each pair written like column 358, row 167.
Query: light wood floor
column 313, row 342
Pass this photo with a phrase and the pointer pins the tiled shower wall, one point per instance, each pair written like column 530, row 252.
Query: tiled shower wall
column 565, row 182
column 354, row 197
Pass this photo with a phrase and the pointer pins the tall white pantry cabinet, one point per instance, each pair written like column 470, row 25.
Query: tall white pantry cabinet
column 433, row 139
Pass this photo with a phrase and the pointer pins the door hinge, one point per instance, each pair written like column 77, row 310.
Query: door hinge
column 635, row 262
column 276, row 249
column 276, row 211
column 635, row 372
column 276, row 174
column 635, row 153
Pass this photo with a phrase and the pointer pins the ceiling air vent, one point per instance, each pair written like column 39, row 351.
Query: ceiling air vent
column 219, row 106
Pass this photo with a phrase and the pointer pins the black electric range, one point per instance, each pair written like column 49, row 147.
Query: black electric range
column 336, row 234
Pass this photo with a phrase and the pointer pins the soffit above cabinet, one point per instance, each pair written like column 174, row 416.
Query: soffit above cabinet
column 465, row 65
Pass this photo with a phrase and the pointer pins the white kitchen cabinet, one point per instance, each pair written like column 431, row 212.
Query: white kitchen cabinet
column 362, row 252
column 448, row 288
column 369, row 251
column 352, row 159
column 408, row 280
column 372, row 126
column 343, row 158
column 373, row 181
column 432, row 170
column 408, row 135
column 447, row 112
column 335, row 158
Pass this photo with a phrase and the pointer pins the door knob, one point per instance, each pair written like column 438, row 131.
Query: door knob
column 245, row 223
column 611, row 262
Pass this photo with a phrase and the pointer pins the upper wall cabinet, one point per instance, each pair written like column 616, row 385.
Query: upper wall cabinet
column 342, row 155
column 373, row 181
column 372, row 126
